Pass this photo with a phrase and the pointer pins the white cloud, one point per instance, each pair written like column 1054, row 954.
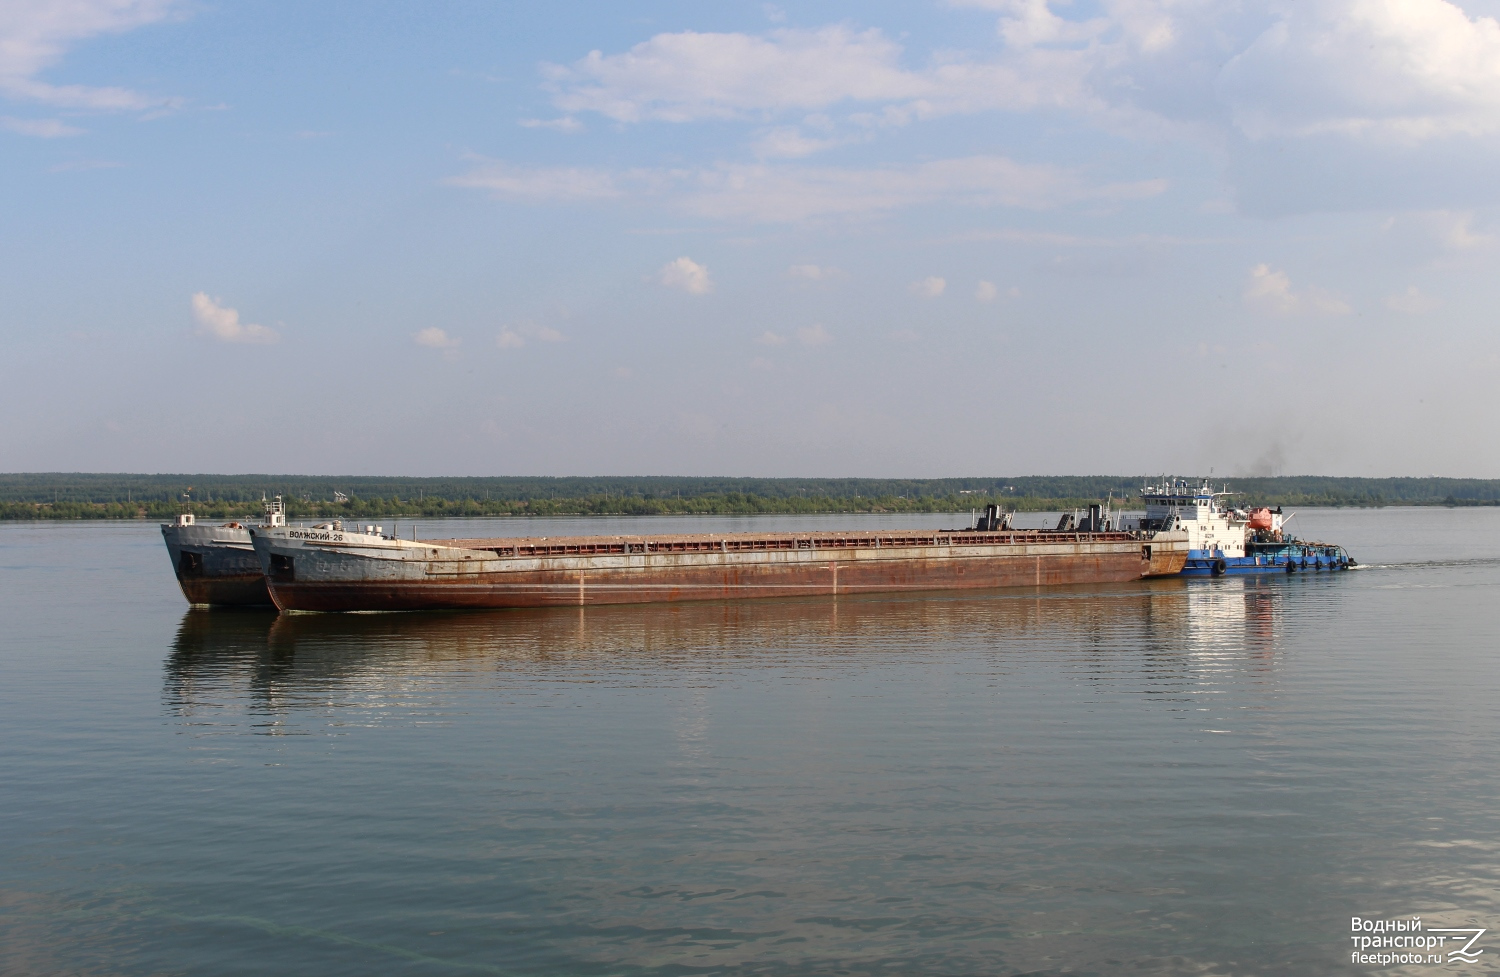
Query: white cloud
column 686, row 275
column 765, row 193
column 1362, row 83
column 788, row 142
column 434, row 337
column 775, row 194
column 1406, row 71
column 814, row 335
column 1271, row 291
column 986, row 292
column 1455, row 231
column 40, row 128
column 814, row 273
column 1032, row 22
column 565, row 124
column 223, row 323
column 692, row 76
column 519, row 335
column 554, row 183
column 1443, row 238
column 930, row 287
column 1047, row 61
column 36, row 34
column 1412, row 302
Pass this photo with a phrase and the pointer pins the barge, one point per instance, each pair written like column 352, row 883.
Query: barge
column 328, row 568
column 216, row 566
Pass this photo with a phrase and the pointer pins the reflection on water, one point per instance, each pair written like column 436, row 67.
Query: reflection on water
column 1169, row 777
column 1162, row 636
column 872, row 820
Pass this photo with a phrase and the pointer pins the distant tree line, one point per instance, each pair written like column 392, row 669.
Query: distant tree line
column 115, row 496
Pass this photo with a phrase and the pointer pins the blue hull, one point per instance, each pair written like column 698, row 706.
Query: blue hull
column 1292, row 558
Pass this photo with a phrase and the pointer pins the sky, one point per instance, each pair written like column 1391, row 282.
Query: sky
column 958, row 238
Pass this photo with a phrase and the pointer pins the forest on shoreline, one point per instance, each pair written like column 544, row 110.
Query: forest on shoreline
column 128, row 496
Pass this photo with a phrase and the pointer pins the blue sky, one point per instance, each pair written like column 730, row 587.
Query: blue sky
column 970, row 237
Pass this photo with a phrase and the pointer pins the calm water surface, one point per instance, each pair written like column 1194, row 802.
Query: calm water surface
column 1176, row 777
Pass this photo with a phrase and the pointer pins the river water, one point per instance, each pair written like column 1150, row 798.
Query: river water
column 1170, row 777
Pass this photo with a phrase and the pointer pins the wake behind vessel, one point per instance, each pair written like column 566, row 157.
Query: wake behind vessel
column 1227, row 540
column 325, row 568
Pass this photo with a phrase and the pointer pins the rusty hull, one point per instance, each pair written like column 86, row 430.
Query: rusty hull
column 216, row 565
column 240, row 590
column 361, row 573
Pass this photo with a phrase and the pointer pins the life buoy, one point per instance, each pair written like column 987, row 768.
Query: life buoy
column 1220, row 567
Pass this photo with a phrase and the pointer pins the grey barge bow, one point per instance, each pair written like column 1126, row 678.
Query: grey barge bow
column 216, row 566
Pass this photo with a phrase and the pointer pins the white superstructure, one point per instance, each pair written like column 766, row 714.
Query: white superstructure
column 1214, row 529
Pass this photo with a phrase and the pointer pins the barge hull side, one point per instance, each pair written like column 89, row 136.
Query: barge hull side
column 657, row 581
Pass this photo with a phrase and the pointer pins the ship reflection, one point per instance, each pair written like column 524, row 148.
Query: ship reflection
column 1159, row 630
